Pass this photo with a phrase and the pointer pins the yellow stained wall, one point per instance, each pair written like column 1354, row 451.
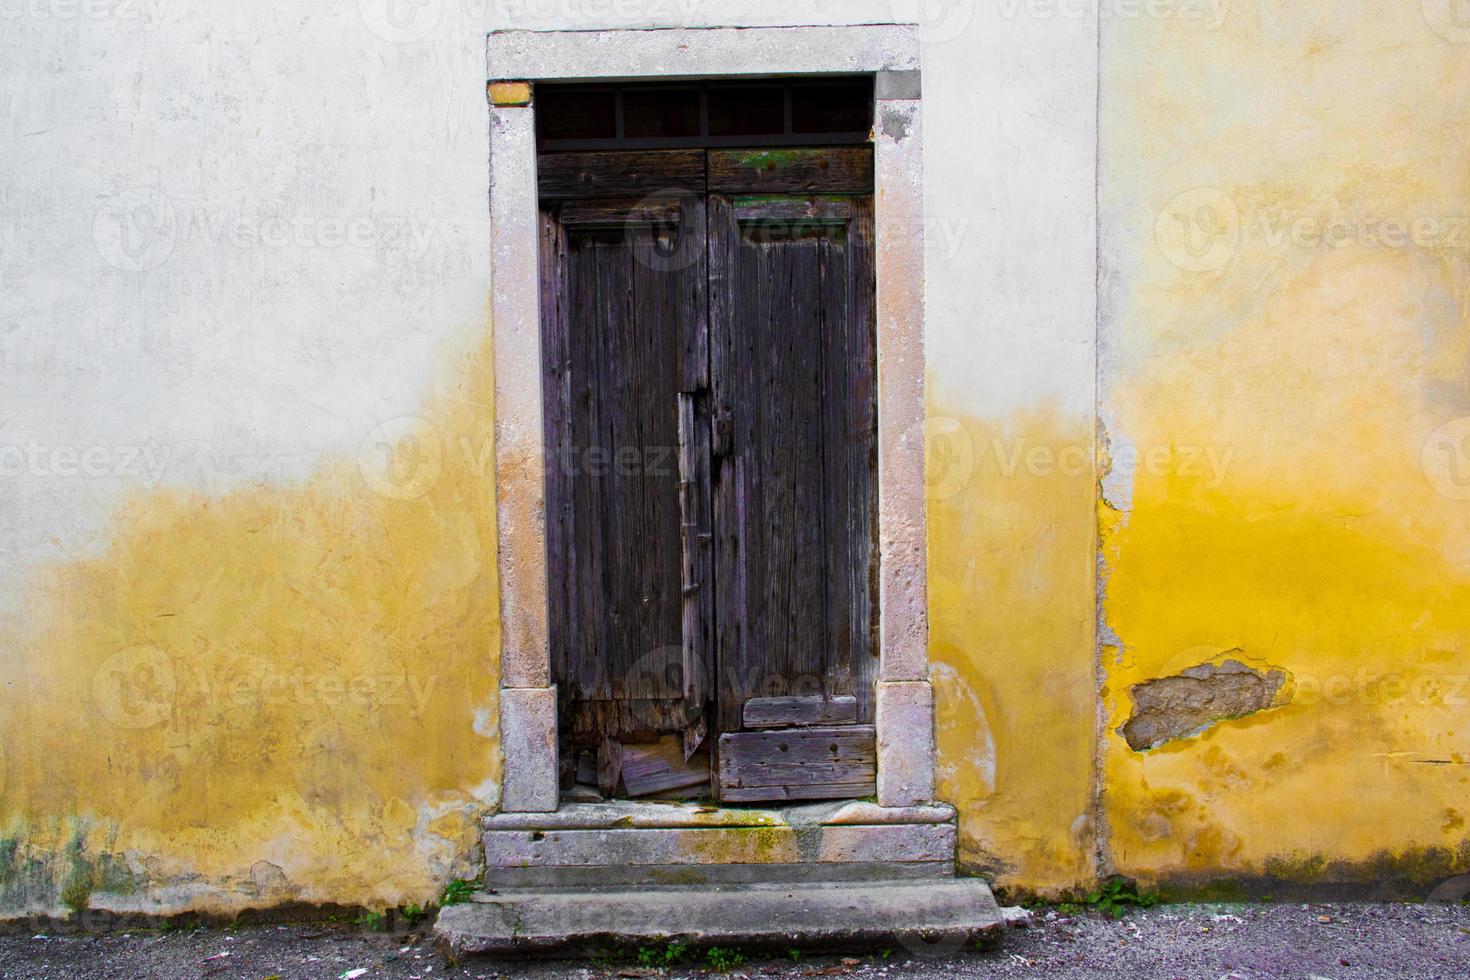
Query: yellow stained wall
column 281, row 694
column 1011, row 560
column 1299, row 314
column 288, row 692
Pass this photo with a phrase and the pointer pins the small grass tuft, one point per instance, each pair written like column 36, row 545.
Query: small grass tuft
column 457, row 892
column 723, row 960
column 373, row 921
column 659, row 957
column 1117, row 896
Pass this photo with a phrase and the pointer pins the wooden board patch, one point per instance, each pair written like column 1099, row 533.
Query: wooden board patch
column 788, row 711
column 799, row 764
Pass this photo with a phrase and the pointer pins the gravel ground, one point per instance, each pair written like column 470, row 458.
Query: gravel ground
column 1185, row 941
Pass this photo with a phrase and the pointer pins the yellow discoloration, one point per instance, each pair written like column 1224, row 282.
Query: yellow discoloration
column 1011, row 557
column 298, row 675
column 1320, row 370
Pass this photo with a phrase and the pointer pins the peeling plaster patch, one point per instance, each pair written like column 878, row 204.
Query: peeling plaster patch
column 486, row 725
column 1195, row 699
column 895, row 122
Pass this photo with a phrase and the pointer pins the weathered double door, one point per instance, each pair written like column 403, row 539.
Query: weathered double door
column 709, row 378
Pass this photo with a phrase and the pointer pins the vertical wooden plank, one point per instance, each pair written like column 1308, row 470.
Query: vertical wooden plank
column 725, row 477
column 695, row 545
column 861, row 453
column 720, row 220
column 696, row 534
column 557, row 435
column 609, row 765
column 690, row 258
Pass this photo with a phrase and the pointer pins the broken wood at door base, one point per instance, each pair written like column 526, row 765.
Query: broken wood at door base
column 656, row 769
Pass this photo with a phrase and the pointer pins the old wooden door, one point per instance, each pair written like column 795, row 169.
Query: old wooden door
column 625, row 361
column 792, row 348
column 708, row 338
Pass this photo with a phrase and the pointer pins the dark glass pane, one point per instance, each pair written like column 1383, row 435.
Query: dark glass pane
column 573, row 114
column 660, row 112
column 832, row 107
column 747, row 110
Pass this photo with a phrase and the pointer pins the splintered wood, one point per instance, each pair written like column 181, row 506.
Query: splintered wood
column 657, row 769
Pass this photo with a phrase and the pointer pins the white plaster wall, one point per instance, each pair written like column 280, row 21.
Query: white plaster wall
column 235, row 237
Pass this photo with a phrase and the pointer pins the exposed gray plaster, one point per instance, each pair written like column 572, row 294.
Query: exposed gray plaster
column 1201, row 697
column 898, row 85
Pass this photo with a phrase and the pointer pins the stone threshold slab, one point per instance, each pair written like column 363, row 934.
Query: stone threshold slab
column 922, row 916
column 647, row 815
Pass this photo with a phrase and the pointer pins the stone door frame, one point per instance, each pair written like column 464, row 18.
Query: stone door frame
column 517, row 60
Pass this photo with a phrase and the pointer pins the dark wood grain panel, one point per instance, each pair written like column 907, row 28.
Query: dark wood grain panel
column 832, row 170
column 632, row 174
column 782, row 712
column 618, row 213
column 797, row 210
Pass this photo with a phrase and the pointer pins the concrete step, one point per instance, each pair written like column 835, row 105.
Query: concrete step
column 939, row 915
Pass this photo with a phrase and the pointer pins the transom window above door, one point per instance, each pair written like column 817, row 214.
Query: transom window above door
column 828, row 111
